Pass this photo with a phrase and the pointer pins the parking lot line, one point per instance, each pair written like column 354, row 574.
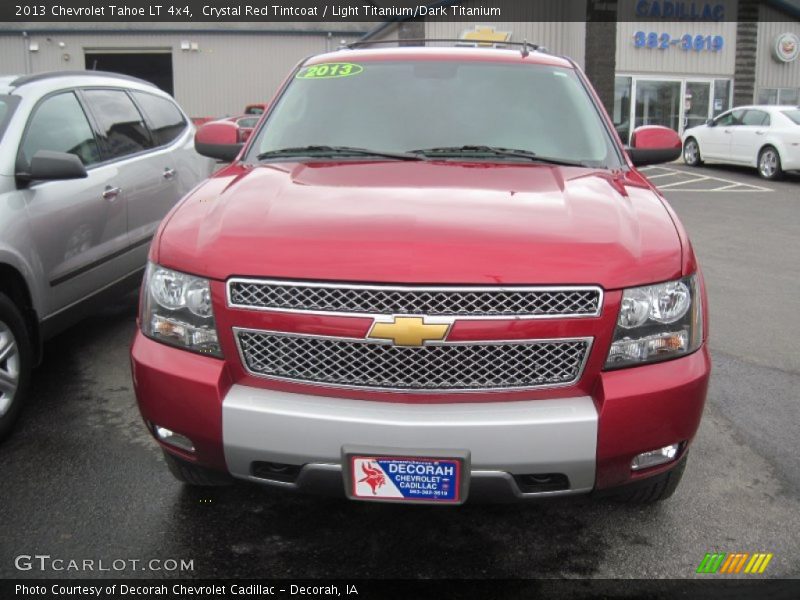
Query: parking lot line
column 671, row 173
column 719, row 191
column 726, row 185
column 695, row 180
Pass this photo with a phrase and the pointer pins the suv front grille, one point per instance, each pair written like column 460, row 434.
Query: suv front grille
column 353, row 363
column 476, row 302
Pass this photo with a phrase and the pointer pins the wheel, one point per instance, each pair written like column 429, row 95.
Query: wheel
column 191, row 474
column 691, row 153
column 769, row 164
column 652, row 490
column 16, row 362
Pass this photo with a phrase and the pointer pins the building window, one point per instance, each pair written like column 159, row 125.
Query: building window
column 779, row 96
column 658, row 103
column 696, row 103
column 674, row 103
column 622, row 107
column 722, row 96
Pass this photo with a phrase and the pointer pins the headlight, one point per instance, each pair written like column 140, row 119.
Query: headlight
column 657, row 322
column 176, row 310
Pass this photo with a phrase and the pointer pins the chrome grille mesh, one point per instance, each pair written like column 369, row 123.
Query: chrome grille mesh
column 441, row 367
column 387, row 300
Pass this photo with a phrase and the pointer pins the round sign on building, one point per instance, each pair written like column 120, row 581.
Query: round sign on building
column 786, row 47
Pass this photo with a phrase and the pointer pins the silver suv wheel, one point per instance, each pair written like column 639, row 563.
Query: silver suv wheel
column 769, row 163
column 9, row 368
column 691, row 153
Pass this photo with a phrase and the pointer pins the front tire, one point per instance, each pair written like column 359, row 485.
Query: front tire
column 16, row 363
column 769, row 164
column 691, row 153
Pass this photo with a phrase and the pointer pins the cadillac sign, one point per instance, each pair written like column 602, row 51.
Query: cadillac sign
column 786, row 47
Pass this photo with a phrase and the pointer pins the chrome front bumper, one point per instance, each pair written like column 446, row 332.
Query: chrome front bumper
column 503, row 438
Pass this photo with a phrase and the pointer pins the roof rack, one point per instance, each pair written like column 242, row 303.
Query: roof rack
column 525, row 47
column 26, row 79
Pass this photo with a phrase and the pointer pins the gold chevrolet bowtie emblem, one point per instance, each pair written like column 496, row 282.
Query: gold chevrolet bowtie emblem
column 486, row 36
column 408, row 331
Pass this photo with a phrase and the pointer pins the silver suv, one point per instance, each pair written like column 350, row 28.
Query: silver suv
column 90, row 163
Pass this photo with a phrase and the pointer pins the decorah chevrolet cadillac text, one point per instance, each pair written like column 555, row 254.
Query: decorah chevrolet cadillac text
column 431, row 274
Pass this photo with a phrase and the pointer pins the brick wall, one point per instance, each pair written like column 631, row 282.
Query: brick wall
column 744, row 79
column 601, row 49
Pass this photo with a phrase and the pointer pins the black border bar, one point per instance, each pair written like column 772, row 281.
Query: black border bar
column 361, row 589
column 131, row 12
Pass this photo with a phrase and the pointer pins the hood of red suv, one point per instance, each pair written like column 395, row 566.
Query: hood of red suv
column 423, row 222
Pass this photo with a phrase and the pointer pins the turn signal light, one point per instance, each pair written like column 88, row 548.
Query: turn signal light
column 654, row 458
column 173, row 439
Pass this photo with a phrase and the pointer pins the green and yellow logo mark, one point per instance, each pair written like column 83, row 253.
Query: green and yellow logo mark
column 330, row 71
column 735, row 562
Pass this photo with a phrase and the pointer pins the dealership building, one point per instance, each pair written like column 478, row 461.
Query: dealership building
column 680, row 74
column 674, row 63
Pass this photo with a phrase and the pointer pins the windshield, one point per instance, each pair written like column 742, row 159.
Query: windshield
column 404, row 107
column 7, row 106
column 794, row 115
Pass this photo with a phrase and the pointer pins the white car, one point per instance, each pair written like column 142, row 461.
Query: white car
column 765, row 137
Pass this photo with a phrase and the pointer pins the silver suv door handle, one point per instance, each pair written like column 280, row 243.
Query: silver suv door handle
column 111, row 193
column 169, row 173
column 759, row 133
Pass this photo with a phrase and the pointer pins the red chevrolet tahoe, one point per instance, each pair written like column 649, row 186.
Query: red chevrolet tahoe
column 431, row 274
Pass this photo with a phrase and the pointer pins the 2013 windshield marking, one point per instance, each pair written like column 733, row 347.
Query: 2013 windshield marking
column 330, row 71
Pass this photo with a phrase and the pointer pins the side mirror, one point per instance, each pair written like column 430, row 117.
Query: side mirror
column 219, row 140
column 711, row 123
column 654, row 144
column 256, row 109
column 47, row 165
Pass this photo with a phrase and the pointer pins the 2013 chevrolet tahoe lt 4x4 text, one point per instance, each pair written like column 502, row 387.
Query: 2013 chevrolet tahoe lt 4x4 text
column 431, row 274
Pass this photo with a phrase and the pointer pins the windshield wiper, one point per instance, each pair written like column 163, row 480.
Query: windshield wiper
column 336, row 150
column 496, row 151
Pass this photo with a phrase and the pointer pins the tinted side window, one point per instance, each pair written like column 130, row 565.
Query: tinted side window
column 120, row 122
column 165, row 120
column 756, row 117
column 8, row 104
column 724, row 120
column 794, row 115
column 59, row 124
column 732, row 118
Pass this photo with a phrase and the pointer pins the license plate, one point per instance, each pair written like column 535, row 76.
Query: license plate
column 406, row 478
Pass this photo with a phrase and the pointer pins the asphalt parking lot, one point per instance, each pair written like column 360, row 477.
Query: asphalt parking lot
column 81, row 478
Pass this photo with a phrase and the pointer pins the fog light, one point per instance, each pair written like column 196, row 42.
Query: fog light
column 655, row 457
column 173, row 439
